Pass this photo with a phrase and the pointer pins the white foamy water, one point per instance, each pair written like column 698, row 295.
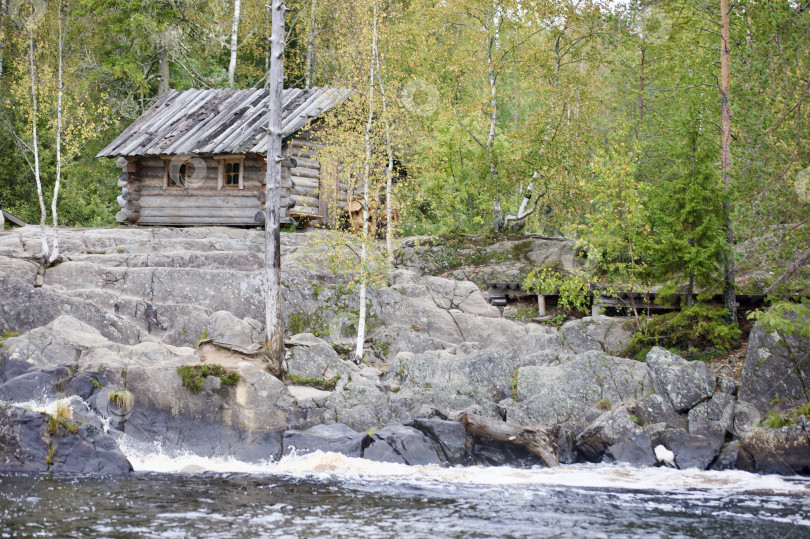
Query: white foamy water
column 321, row 465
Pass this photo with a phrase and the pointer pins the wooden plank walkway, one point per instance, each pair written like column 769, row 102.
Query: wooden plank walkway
column 499, row 293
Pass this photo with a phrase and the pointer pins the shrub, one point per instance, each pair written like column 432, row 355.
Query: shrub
column 690, row 330
column 194, row 376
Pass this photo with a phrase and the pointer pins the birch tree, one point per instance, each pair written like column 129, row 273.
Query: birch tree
column 237, row 7
column 272, row 225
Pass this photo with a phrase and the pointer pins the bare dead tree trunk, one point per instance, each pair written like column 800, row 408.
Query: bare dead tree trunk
column 35, row 143
column 267, row 44
column 313, row 33
column 389, row 171
column 361, row 319
column 542, row 441
column 517, row 222
column 237, row 8
column 163, row 68
column 58, row 142
column 272, row 224
column 729, row 285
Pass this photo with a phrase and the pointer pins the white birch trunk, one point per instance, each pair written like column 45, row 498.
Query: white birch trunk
column 58, row 144
column 237, row 8
column 493, row 117
column 311, row 45
column 361, row 319
column 35, row 144
column 272, row 225
column 389, row 171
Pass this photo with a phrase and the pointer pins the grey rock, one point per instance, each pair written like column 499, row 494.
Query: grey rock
column 726, row 384
column 334, row 438
column 602, row 333
column 35, row 385
column 785, row 450
column 636, row 451
column 25, row 308
column 691, row 451
column 682, row 383
column 260, row 446
column 311, row 357
column 82, row 385
column 567, row 394
column 25, row 442
column 227, row 329
column 713, row 418
column 361, row 405
column 775, row 366
column 449, row 435
column 655, row 409
column 727, row 459
column 309, row 397
column 609, row 429
column 398, row 443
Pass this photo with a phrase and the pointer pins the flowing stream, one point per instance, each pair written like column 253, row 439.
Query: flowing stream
column 330, row 495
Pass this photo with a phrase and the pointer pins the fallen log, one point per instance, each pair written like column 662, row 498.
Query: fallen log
column 541, row 441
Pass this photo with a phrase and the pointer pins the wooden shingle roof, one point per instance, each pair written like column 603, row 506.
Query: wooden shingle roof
column 218, row 122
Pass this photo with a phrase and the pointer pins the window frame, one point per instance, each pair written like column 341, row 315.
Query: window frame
column 223, row 161
column 167, row 183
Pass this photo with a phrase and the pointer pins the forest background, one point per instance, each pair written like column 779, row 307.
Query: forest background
column 611, row 111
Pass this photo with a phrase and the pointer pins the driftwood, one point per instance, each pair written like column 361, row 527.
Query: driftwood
column 541, row 441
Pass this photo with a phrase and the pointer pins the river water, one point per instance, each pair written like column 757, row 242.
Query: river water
column 329, row 495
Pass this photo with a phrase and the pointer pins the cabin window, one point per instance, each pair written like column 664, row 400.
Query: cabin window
column 231, row 172
column 179, row 173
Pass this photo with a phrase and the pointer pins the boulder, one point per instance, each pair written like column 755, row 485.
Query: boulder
column 611, row 428
column 229, row 331
column 568, row 394
column 27, row 446
column 691, row 451
column 728, row 457
column 602, row 333
column 682, row 383
column 655, row 409
column 775, row 365
column 449, row 435
column 785, row 450
column 334, row 438
column 25, row 308
column 309, row 397
column 361, row 405
column 35, row 385
column 311, row 357
column 712, row 419
column 636, row 451
column 402, row 444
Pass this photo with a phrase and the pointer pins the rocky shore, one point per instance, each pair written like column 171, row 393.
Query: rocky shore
column 127, row 309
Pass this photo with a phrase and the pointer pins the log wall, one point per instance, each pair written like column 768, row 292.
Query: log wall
column 147, row 200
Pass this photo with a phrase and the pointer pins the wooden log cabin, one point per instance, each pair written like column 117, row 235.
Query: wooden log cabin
column 197, row 157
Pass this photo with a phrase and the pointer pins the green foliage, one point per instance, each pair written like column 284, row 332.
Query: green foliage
column 689, row 331
column 193, row 376
column 786, row 318
column 8, row 335
column 773, row 420
column 326, row 385
column 573, row 289
column 604, row 405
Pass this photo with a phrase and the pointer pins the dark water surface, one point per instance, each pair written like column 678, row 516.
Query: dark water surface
column 267, row 505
